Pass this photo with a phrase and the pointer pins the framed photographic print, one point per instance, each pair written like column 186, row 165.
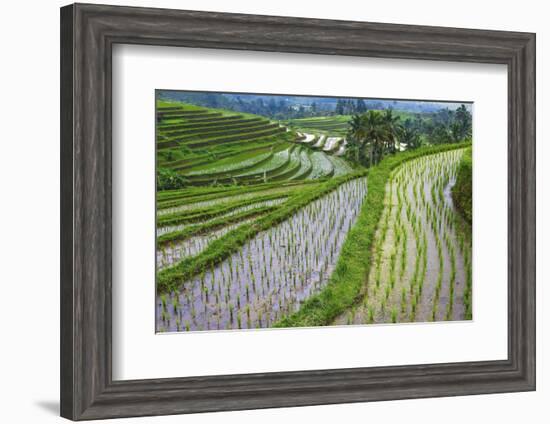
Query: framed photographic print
column 268, row 211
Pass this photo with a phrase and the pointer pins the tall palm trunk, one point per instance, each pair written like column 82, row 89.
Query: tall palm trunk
column 371, row 155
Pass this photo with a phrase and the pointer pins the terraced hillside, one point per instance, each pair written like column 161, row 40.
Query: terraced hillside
column 325, row 133
column 211, row 146
column 332, row 125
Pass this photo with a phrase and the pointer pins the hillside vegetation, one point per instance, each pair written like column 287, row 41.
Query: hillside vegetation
column 462, row 190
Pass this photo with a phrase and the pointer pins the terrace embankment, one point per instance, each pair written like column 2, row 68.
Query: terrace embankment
column 462, row 190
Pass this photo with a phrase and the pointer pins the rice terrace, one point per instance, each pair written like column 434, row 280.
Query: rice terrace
column 302, row 211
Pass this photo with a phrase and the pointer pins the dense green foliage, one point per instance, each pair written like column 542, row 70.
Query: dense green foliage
column 348, row 278
column 443, row 126
column 167, row 179
column 462, row 190
column 374, row 134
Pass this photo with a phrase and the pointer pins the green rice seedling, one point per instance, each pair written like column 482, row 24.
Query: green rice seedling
column 397, row 230
column 260, row 318
column 403, row 300
column 392, row 261
column 175, row 304
column 449, row 313
column 468, row 312
column 350, row 318
column 394, row 315
column 403, row 256
column 378, row 277
column 434, row 312
column 371, row 314
column 413, row 307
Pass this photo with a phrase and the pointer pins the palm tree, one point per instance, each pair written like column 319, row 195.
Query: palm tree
column 441, row 134
column 394, row 129
column 464, row 120
column 355, row 138
column 367, row 131
column 377, row 134
column 411, row 138
column 457, row 132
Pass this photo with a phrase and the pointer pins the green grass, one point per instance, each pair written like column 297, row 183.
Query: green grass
column 200, row 214
column 236, row 163
column 198, row 127
column 214, row 131
column 462, row 190
column 215, row 224
column 331, row 125
column 246, row 135
column 172, row 198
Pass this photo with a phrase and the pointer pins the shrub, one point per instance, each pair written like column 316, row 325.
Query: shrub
column 168, row 179
column 462, row 190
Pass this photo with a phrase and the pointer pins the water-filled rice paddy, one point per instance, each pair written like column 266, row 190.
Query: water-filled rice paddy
column 272, row 274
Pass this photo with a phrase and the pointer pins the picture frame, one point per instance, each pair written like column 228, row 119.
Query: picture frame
column 88, row 33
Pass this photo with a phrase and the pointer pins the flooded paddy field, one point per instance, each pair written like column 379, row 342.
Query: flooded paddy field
column 421, row 260
column 272, row 274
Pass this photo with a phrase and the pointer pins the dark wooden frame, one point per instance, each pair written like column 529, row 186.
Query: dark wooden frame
column 88, row 33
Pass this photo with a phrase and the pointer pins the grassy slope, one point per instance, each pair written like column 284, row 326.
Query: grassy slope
column 462, row 190
column 170, row 198
column 197, row 215
column 351, row 271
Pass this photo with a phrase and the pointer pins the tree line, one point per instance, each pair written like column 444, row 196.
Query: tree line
column 373, row 134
